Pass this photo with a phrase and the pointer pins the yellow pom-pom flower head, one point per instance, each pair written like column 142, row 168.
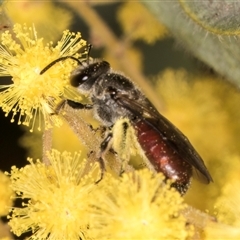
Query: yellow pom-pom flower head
column 138, row 206
column 22, row 56
column 58, row 207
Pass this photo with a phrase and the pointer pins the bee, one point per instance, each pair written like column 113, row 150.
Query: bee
column 115, row 100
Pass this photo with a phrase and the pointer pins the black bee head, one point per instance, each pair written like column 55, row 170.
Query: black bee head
column 84, row 77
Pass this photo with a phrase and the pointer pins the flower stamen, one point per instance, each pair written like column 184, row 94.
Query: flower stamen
column 23, row 57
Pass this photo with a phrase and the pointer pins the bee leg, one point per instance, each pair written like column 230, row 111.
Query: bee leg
column 103, row 169
column 92, row 155
column 104, row 147
column 125, row 159
column 106, row 143
column 78, row 105
column 72, row 104
column 101, row 129
column 122, row 141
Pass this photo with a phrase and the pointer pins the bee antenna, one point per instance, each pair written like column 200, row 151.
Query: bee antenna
column 59, row 60
column 89, row 49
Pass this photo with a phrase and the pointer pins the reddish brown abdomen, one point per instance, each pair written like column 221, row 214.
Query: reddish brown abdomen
column 163, row 158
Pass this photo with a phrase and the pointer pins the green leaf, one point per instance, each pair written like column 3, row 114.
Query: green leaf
column 208, row 29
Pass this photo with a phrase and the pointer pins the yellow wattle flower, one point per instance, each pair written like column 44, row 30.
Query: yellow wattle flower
column 59, row 197
column 139, row 205
column 23, row 56
column 66, row 203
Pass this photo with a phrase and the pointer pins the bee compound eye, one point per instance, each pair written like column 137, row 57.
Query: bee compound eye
column 79, row 79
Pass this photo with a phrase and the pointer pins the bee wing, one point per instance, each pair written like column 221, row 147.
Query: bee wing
column 171, row 134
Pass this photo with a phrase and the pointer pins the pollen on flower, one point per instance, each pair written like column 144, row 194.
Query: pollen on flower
column 59, row 193
column 31, row 95
column 138, row 206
